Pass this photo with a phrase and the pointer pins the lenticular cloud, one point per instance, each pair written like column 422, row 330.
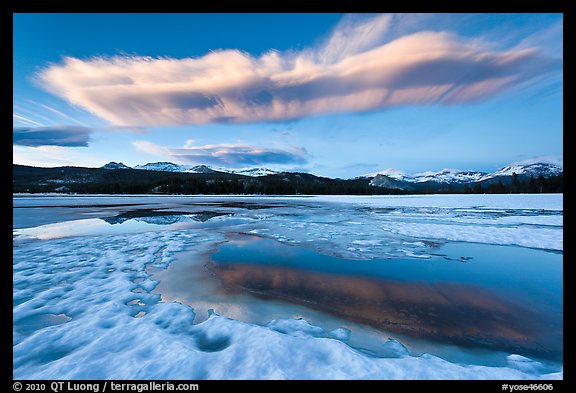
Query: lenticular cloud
column 67, row 136
column 227, row 154
column 355, row 70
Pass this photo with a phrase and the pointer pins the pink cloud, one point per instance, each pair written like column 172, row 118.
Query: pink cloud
column 355, row 70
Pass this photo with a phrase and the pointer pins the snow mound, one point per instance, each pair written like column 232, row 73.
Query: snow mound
column 83, row 310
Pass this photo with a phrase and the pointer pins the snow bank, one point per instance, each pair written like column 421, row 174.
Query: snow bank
column 498, row 201
column 365, row 227
column 83, row 310
column 83, row 307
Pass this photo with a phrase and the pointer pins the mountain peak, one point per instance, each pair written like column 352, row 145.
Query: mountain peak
column 254, row 172
column 531, row 169
column 163, row 166
column 115, row 165
column 449, row 175
column 390, row 172
column 200, row 169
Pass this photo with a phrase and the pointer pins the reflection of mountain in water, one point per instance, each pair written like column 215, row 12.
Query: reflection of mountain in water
column 205, row 216
column 163, row 220
column 161, row 217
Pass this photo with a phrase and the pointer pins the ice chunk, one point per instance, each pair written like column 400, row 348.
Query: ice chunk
column 296, row 327
column 341, row 334
column 524, row 364
column 396, row 347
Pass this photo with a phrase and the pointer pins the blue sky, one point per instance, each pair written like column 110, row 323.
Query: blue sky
column 331, row 94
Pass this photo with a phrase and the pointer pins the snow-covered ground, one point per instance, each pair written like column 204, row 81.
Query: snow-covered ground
column 84, row 307
column 372, row 227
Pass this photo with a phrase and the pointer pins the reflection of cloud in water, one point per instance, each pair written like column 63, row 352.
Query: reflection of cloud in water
column 62, row 229
column 85, row 227
column 128, row 222
column 461, row 314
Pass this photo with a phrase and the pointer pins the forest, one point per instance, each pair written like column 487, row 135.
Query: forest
column 130, row 181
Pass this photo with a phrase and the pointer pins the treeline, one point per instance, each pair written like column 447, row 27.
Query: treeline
column 513, row 185
column 186, row 185
column 552, row 184
column 103, row 181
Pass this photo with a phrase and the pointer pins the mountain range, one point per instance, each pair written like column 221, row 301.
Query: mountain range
column 170, row 178
column 394, row 178
column 164, row 166
column 390, row 177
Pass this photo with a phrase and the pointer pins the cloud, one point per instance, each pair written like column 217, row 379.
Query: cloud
column 552, row 159
column 360, row 67
column 133, row 129
column 61, row 114
column 26, row 119
column 51, row 156
column 225, row 155
column 70, row 136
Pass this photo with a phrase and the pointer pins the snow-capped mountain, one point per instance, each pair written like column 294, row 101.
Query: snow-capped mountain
column 391, row 173
column 446, row 175
column 200, row 169
column 390, row 178
column 394, row 178
column 165, row 166
column 115, row 165
column 528, row 170
column 162, row 166
column 254, row 172
column 530, row 178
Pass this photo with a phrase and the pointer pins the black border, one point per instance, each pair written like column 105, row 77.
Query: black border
column 360, row 6
column 332, row 6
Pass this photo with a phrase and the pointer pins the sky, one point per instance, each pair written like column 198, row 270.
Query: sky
column 337, row 95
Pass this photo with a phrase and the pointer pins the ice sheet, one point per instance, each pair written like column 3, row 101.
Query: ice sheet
column 373, row 227
column 365, row 227
column 83, row 307
column 99, row 291
column 498, row 201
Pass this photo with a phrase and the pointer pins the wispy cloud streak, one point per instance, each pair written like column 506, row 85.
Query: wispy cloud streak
column 26, row 120
column 61, row 114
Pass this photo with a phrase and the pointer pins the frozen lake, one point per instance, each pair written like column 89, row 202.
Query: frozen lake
column 194, row 287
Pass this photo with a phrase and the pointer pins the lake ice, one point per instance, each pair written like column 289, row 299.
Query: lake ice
column 95, row 292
